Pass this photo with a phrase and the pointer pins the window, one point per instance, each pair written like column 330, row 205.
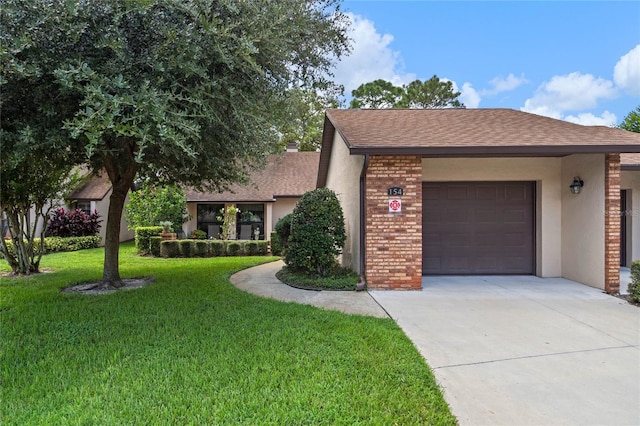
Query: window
column 85, row 206
column 208, row 219
column 250, row 221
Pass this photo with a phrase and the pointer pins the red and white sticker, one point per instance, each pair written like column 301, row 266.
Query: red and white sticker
column 395, row 205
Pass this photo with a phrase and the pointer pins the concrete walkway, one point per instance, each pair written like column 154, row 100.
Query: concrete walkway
column 525, row 350
column 505, row 350
column 261, row 280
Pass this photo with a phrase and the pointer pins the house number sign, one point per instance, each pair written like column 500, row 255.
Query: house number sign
column 395, row 191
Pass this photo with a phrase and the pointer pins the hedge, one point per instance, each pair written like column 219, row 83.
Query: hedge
column 143, row 236
column 207, row 248
column 634, row 285
column 60, row 244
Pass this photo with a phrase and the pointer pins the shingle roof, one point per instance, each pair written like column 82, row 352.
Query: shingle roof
column 289, row 174
column 630, row 161
column 472, row 131
column 94, row 188
column 467, row 133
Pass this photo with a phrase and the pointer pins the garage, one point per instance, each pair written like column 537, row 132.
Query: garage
column 478, row 228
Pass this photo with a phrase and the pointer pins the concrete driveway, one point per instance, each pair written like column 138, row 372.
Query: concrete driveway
column 525, row 350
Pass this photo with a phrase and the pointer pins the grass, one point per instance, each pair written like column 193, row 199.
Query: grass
column 193, row 349
column 341, row 279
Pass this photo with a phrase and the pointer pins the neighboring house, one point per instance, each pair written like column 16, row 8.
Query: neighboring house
column 481, row 191
column 93, row 195
column 271, row 194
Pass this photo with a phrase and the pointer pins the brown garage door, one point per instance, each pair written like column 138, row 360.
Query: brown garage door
column 478, row 228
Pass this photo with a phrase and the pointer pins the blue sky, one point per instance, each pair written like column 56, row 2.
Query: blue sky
column 573, row 60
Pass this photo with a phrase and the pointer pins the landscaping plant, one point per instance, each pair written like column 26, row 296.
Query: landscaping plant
column 317, row 233
column 74, row 223
column 634, row 285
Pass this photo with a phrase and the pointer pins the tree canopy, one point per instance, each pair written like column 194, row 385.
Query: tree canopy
column 631, row 121
column 381, row 94
column 176, row 91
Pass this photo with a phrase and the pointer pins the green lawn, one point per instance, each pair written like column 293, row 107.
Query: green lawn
column 192, row 349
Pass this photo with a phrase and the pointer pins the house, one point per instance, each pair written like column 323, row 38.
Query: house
column 93, row 195
column 481, row 191
column 271, row 194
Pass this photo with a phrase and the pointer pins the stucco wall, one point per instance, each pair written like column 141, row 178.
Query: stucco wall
column 282, row 207
column 546, row 172
column 344, row 179
column 583, row 220
column 630, row 180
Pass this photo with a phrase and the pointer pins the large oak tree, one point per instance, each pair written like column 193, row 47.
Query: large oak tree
column 176, row 91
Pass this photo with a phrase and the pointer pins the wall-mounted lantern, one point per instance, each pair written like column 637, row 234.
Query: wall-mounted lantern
column 577, row 185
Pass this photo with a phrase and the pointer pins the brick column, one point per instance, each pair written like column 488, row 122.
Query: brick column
column 612, row 223
column 393, row 240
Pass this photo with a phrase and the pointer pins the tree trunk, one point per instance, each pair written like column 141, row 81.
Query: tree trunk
column 121, row 174
column 111, row 270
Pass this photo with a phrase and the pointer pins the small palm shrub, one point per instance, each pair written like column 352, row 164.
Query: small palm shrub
column 317, row 233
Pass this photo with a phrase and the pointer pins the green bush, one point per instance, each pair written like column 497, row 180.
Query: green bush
column 186, row 248
column 201, row 248
column 283, row 230
column 317, row 233
column 60, row 244
column 634, row 285
column 169, row 248
column 154, row 246
column 263, row 247
column 276, row 244
column 216, row 247
column 234, row 248
column 143, row 235
column 251, row 248
column 198, row 234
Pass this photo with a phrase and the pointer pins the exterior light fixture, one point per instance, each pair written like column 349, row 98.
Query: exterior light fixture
column 577, row 185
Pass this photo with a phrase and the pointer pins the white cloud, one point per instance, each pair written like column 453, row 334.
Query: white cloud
column 500, row 84
column 571, row 92
column 626, row 73
column 588, row 119
column 468, row 95
column 371, row 58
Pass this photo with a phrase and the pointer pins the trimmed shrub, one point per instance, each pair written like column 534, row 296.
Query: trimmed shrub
column 59, row 244
column 317, row 233
column 201, row 248
column 143, row 235
column 283, row 230
column 634, row 285
column 263, row 247
column 276, row 244
column 154, row 246
column 234, row 248
column 198, row 234
column 186, row 248
column 216, row 247
column 251, row 248
column 169, row 248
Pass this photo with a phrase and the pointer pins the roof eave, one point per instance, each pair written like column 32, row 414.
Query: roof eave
column 461, row 151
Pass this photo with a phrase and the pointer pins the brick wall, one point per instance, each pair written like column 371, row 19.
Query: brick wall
column 393, row 240
column 612, row 223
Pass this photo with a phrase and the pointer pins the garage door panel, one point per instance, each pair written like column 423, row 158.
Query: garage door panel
column 491, row 231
